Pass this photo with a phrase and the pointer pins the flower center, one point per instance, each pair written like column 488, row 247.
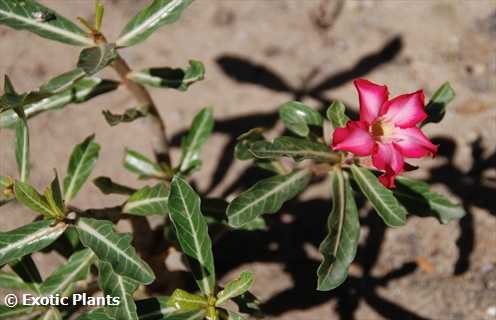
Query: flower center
column 381, row 129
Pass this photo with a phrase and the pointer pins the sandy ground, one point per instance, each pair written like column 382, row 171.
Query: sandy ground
column 260, row 54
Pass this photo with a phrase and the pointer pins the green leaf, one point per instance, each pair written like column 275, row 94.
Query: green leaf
column 81, row 163
column 436, row 108
column 155, row 308
column 297, row 117
column 256, row 224
column 185, row 301
column 266, row 196
column 128, row 116
column 245, row 141
column 418, row 199
column 28, row 239
column 109, row 246
column 149, row 19
column 22, row 149
column 115, row 285
column 235, row 288
column 148, row 201
column 192, row 233
column 191, row 145
column 343, row 230
column 30, row 198
column 96, row 314
column 336, row 114
column 94, row 59
column 381, row 198
column 9, row 313
column 296, row 148
column 77, row 268
column 32, row 16
column 107, row 186
column 10, row 280
column 174, row 78
column 63, row 81
column 248, row 303
column 81, row 91
column 52, row 314
column 141, row 165
column 230, row 315
column 26, row 269
column 53, row 196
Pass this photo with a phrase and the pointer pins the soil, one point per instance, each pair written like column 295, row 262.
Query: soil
column 259, row 54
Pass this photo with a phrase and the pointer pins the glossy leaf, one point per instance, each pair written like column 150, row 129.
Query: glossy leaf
column 141, row 165
column 185, row 301
column 28, row 239
column 336, row 114
column 149, row 19
column 436, row 108
column 115, row 285
column 235, row 288
column 191, row 145
column 148, row 201
column 94, row 59
column 63, row 81
column 107, row 186
column 418, row 199
column 174, row 78
column 381, row 198
column 22, row 149
column 32, row 16
column 81, row 163
column 77, row 268
column 343, row 230
column 30, row 198
column 81, row 91
column 128, row 116
column 296, row 148
column 297, row 117
column 245, row 141
column 266, row 196
column 192, row 233
column 109, row 246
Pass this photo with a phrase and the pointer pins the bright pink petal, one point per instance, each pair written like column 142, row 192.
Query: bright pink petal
column 372, row 97
column 354, row 138
column 386, row 157
column 412, row 143
column 406, row 110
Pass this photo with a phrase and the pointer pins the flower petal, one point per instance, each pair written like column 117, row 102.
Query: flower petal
column 412, row 142
column 386, row 157
column 406, row 110
column 372, row 96
column 355, row 138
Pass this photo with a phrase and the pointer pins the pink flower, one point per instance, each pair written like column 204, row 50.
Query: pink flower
column 387, row 130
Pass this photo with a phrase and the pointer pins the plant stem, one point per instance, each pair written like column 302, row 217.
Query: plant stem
column 159, row 141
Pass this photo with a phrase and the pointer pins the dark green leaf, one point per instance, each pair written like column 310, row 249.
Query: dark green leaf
column 169, row 77
column 28, row 239
column 107, row 186
column 75, row 269
column 9, row 313
column 336, row 114
column 149, row 19
column 109, row 246
column 343, row 230
column 94, row 59
column 81, row 91
column 115, row 285
column 63, row 81
column 10, row 280
column 242, row 149
column 81, row 163
column 296, row 148
column 191, row 145
column 29, row 197
column 266, row 196
column 22, row 149
column 53, row 196
column 192, row 233
column 32, row 16
column 297, row 117
column 26, row 269
column 436, row 108
column 381, row 198
column 418, row 199
column 235, row 288
column 148, row 201
column 159, row 308
column 248, row 303
column 128, row 116
column 141, row 165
